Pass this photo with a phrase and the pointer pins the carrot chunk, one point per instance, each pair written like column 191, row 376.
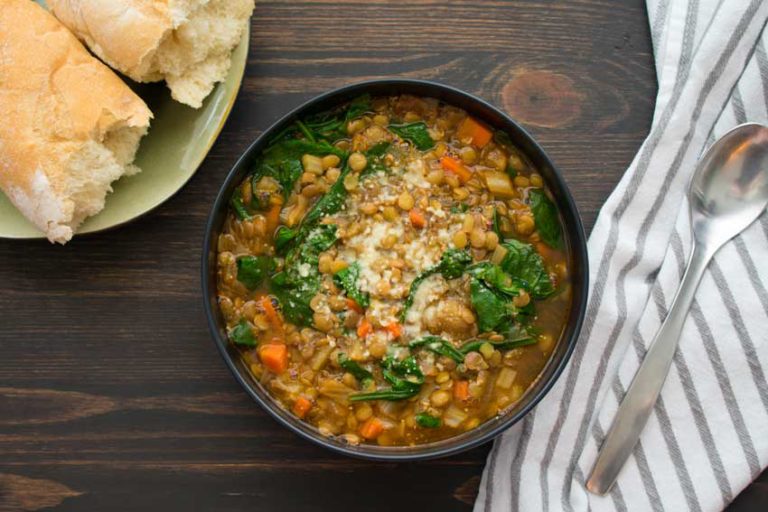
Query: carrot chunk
column 418, row 220
column 273, row 218
column 272, row 316
column 364, row 328
column 301, row 407
column 395, row 329
column 453, row 165
column 472, row 129
column 352, row 305
column 461, row 390
column 274, row 356
column 372, row 428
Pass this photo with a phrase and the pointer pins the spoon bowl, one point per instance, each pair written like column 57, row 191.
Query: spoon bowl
column 729, row 189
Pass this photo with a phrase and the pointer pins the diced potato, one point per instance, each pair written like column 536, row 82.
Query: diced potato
column 499, row 184
column 312, row 163
column 506, row 378
column 498, row 254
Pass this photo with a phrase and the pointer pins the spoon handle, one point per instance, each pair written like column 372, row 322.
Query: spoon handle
column 649, row 379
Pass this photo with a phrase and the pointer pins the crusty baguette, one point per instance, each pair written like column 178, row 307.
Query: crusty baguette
column 70, row 126
column 187, row 43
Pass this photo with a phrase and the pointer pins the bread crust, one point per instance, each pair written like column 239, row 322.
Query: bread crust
column 56, row 101
column 187, row 43
column 124, row 34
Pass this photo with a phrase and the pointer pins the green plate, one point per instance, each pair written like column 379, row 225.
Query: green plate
column 179, row 138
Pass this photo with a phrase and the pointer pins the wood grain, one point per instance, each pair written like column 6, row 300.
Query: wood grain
column 112, row 394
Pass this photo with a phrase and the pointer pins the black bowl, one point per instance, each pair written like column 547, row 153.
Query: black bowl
column 575, row 240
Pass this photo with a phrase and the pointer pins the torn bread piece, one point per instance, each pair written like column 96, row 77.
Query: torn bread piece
column 187, row 43
column 70, row 125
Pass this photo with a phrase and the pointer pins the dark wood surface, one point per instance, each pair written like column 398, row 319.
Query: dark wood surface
column 112, row 394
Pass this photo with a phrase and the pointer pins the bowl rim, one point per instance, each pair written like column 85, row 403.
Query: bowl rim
column 577, row 252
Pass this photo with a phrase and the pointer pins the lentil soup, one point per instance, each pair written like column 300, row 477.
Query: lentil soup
column 393, row 271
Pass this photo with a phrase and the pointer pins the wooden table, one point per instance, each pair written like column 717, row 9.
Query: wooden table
column 112, row 394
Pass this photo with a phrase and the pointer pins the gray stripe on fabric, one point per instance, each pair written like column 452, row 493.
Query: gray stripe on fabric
column 721, row 374
column 683, row 69
column 647, row 477
column 762, row 66
column 712, row 78
column 758, row 376
column 697, row 410
column 515, row 474
column 729, row 397
column 658, row 23
column 749, row 264
column 738, row 105
column 490, row 477
column 764, row 223
column 710, row 140
column 677, row 457
column 579, row 477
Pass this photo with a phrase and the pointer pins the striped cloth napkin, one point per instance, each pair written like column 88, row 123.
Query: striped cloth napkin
column 708, row 435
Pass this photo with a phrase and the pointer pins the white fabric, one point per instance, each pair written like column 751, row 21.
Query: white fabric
column 708, row 436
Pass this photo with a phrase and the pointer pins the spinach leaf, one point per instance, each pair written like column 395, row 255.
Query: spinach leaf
column 493, row 287
column 452, row 264
column 495, row 277
column 375, row 157
column 252, row 270
column 439, row 346
column 496, row 225
column 300, row 279
column 294, row 149
column 405, row 378
column 403, row 375
column 358, row 107
column 416, row 133
column 383, row 394
column 320, row 239
column 306, row 131
column 546, row 218
column 330, row 203
column 526, row 267
column 514, row 337
column 238, row 207
column 428, row 421
column 282, row 161
column 378, row 149
column 360, row 373
column 502, row 139
column 347, row 280
column 283, row 238
column 332, row 125
column 493, row 308
column 241, row 334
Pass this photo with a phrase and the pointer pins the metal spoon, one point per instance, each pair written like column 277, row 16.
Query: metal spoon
column 728, row 191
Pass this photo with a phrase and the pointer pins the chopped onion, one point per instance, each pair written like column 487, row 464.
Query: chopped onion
column 334, row 390
column 321, row 357
column 454, row 416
